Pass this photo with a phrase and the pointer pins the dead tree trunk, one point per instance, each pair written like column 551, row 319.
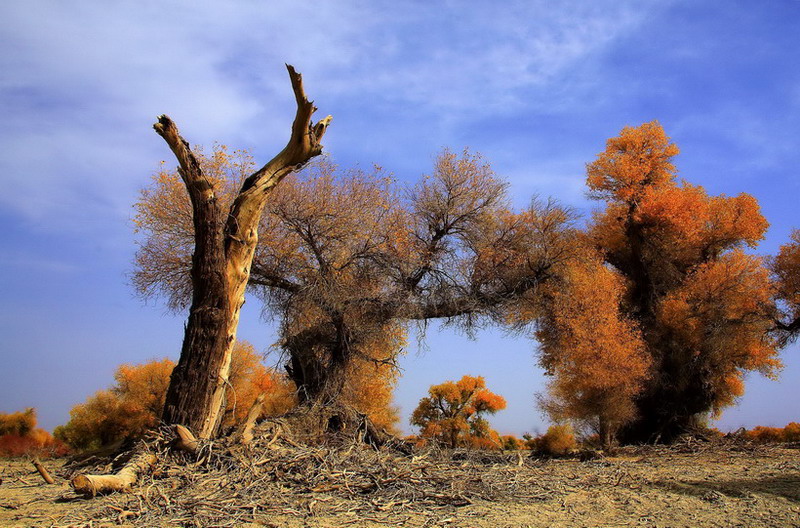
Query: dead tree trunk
column 225, row 242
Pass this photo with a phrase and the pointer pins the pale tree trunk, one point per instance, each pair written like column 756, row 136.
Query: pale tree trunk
column 224, row 249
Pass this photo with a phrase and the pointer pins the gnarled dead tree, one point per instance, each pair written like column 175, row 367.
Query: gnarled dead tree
column 224, row 244
column 348, row 259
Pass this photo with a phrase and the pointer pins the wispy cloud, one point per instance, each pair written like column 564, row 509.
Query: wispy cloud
column 83, row 82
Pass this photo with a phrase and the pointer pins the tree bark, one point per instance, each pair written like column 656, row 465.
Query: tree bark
column 224, row 248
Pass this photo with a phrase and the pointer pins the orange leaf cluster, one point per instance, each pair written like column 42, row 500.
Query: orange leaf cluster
column 702, row 305
column 559, row 440
column 774, row 435
column 634, row 162
column 594, row 352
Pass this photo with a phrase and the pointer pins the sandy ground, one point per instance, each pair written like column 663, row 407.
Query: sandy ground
column 648, row 488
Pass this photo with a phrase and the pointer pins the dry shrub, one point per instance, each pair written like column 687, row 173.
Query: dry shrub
column 489, row 442
column 38, row 443
column 19, row 436
column 559, row 440
column 791, row 433
column 18, row 423
column 512, row 443
column 765, row 435
column 774, row 435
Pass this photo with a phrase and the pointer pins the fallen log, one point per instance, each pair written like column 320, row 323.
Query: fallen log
column 91, row 485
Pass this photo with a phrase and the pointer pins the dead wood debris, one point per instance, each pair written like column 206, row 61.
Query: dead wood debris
column 227, row 483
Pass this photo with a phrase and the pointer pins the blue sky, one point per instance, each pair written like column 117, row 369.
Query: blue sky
column 536, row 86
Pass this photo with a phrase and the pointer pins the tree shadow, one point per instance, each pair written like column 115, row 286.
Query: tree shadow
column 786, row 486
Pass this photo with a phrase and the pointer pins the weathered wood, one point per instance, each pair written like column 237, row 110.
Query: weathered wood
column 42, row 471
column 91, row 485
column 224, row 249
column 194, row 378
column 185, row 440
column 245, row 432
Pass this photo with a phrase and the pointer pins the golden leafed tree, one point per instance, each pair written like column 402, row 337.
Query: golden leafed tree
column 703, row 306
column 453, row 414
column 593, row 351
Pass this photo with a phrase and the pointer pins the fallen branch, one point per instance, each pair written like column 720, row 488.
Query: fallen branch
column 42, row 471
column 245, row 432
column 91, row 485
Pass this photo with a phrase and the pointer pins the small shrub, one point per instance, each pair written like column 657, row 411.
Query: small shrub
column 791, row 433
column 18, row 423
column 490, row 442
column 764, row 435
column 512, row 443
column 559, row 440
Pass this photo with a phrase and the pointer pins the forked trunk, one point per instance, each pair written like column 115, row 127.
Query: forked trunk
column 224, row 248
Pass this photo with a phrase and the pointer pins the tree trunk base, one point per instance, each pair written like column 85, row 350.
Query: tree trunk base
column 326, row 424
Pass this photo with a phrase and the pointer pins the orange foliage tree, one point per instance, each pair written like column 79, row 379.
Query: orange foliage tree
column 702, row 305
column 593, row 351
column 453, row 414
column 133, row 405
